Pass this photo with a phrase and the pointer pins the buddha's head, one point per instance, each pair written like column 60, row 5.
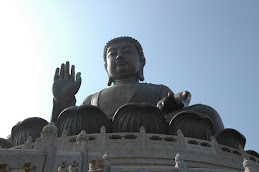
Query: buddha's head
column 124, row 59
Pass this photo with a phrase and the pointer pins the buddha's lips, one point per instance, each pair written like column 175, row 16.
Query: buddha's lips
column 121, row 63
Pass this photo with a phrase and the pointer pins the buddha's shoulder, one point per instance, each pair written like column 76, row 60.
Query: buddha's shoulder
column 88, row 100
column 155, row 86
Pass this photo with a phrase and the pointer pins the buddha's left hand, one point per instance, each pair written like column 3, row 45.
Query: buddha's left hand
column 174, row 102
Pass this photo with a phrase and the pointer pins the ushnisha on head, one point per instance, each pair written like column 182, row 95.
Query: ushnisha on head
column 123, row 59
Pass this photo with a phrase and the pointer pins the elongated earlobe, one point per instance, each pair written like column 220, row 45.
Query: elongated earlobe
column 141, row 75
column 140, row 72
column 109, row 81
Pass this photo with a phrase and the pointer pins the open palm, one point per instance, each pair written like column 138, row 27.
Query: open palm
column 66, row 84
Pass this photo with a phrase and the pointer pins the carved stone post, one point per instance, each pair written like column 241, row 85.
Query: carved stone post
column 248, row 165
column 179, row 163
column 243, row 152
column 182, row 140
column 107, row 162
column 47, row 142
column 215, row 145
column 81, row 145
column 28, row 143
column 63, row 140
column 142, row 137
column 102, row 137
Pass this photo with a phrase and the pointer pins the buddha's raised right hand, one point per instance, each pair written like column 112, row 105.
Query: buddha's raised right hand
column 65, row 85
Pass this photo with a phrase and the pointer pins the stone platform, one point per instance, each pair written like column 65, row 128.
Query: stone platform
column 126, row 152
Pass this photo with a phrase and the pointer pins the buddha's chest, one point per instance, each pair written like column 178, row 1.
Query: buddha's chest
column 111, row 99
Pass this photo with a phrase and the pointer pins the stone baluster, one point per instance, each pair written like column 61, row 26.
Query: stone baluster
column 107, row 162
column 181, row 140
column 62, row 167
column 73, row 167
column 47, row 143
column 248, row 165
column 28, row 143
column 81, row 145
column 179, row 163
column 142, row 137
column 63, row 140
column 215, row 145
column 103, row 137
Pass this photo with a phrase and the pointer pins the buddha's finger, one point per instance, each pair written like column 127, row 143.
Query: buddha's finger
column 77, row 84
column 67, row 70
column 78, row 78
column 73, row 73
column 61, row 75
column 56, row 74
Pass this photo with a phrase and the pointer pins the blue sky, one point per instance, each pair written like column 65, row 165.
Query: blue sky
column 209, row 48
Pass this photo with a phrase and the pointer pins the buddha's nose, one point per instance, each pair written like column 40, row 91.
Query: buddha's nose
column 120, row 55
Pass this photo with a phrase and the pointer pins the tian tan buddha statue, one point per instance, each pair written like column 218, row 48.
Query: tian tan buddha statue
column 128, row 104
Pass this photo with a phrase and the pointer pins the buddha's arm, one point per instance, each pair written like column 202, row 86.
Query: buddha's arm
column 59, row 107
column 64, row 88
column 87, row 100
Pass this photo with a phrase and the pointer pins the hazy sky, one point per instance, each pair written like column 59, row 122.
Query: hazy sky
column 210, row 48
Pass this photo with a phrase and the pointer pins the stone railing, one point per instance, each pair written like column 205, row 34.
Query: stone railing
column 75, row 153
column 43, row 156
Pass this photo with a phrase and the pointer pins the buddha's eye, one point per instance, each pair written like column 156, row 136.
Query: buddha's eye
column 112, row 54
column 128, row 52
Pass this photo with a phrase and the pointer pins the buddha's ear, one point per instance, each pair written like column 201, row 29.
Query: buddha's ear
column 105, row 66
column 109, row 83
column 143, row 61
column 141, row 72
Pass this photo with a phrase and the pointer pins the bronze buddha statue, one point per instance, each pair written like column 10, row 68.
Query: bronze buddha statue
column 124, row 62
column 129, row 103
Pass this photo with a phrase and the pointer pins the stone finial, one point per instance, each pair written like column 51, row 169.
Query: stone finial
column 215, row 145
column 103, row 129
column 63, row 140
column 243, row 152
column 180, row 133
column 107, row 162
column 142, row 129
column 82, row 137
column 179, row 163
column 106, row 157
column 142, row 137
column 28, row 143
column 81, row 146
column 178, row 158
column 247, row 164
column 49, row 130
column 64, row 133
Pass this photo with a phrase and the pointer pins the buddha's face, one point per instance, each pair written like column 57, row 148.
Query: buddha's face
column 122, row 60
